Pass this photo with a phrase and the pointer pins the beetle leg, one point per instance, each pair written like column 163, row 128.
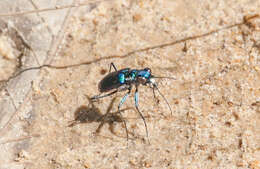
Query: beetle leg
column 121, row 88
column 137, row 108
column 101, row 96
column 154, row 96
column 164, row 98
column 112, row 64
column 119, row 106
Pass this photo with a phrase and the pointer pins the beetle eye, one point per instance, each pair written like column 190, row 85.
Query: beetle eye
column 147, row 69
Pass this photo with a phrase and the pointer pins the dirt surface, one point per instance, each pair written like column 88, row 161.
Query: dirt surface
column 53, row 55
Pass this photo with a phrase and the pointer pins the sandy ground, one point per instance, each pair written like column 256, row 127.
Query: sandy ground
column 212, row 48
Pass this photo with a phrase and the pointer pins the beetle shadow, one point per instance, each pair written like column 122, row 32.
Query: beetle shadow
column 90, row 113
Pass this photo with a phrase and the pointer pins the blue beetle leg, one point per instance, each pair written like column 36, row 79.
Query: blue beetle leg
column 112, row 64
column 101, row 96
column 120, row 104
column 137, row 108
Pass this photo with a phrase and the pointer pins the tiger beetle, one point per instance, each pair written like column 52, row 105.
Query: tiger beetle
column 125, row 79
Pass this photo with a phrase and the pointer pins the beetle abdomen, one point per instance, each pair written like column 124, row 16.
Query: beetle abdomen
column 109, row 82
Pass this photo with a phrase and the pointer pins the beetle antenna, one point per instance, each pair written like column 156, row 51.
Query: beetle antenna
column 164, row 77
column 155, row 86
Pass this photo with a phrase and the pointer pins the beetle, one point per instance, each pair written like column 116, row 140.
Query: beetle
column 125, row 79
